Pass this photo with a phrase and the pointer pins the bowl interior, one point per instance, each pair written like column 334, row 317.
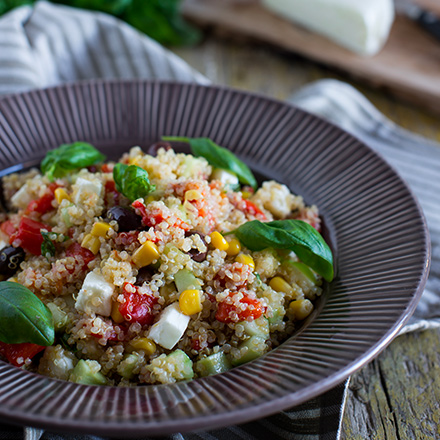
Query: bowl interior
column 375, row 227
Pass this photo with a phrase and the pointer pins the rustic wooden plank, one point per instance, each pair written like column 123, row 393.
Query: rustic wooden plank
column 408, row 66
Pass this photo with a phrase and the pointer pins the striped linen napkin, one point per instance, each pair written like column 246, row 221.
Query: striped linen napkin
column 51, row 44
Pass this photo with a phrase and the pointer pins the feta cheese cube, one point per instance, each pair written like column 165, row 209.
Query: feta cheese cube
column 170, row 327
column 21, row 198
column 95, row 295
column 359, row 25
column 84, row 188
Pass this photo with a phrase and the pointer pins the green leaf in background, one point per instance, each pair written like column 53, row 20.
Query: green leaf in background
column 218, row 157
column 69, row 157
column 49, row 239
column 7, row 5
column 23, row 317
column 132, row 181
column 114, row 7
column 161, row 20
column 295, row 235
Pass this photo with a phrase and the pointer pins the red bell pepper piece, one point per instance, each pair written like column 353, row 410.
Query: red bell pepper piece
column 75, row 250
column 137, row 307
column 18, row 354
column 8, row 227
column 28, row 235
column 228, row 312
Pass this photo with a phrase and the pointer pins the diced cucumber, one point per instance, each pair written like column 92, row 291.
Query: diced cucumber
column 87, row 372
column 254, row 347
column 60, row 318
column 257, row 327
column 213, row 364
column 304, row 273
column 182, row 363
column 185, row 280
column 126, row 367
column 277, row 315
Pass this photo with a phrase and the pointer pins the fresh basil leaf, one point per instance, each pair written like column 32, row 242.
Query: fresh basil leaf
column 132, row 181
column 295, row 235
column 7, row 5
column 68, row 157
column 218, row 157
column 23, row 317
column 114, row 7
column 48, row 245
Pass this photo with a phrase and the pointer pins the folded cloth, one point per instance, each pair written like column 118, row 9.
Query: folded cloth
column 52, row 44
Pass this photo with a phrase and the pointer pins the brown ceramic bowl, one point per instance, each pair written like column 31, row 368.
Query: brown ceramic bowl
column 374, row 224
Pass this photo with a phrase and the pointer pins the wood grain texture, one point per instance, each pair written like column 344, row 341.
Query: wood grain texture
column 408, row 66
column 397, row 395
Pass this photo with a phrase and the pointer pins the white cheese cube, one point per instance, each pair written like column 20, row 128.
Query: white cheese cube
column 95, row 295
column 276, row 198
column 3, row 244
column 170, row 327
column 21, row 198
column 362, row 26
column 84, row 188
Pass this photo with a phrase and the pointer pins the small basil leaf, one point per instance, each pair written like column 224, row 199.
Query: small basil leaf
column 48, row 245
column 295, row 235
column 218, row 157
column 132, row 181
column 68, row 157
column 23, row 317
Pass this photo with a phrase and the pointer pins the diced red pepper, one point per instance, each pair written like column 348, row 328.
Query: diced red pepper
column 18, row 354
column 252, row 209
column 44, row 203
column 106, row 168
column 75, row 250
column 112, row 196
column 137, row 307
column 228, row 312
column 8, row 227
column 28, row 235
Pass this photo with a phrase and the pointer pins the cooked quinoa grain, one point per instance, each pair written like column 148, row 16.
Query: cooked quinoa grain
column 157, row 289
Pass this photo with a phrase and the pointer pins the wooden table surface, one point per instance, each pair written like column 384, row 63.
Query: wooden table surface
column 397, row 395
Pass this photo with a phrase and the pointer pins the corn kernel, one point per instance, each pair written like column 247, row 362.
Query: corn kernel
column 134, row 161
column 234, row 248
column 12, row 280
column 116, row 314
column 245, row 259
column 301, row 308
column 280, row 285
column 192, row 194
column 91, row 243
column 245, row 194
column 146, row 254
column 61, row 194
column 218, row 241
column 190, row 302
column 100, row 229
column 150, row 199
column 144, row 344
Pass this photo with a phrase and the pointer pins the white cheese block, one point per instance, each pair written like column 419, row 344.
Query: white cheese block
column 225, row 177
column 170, row 327
column 362, row 26
column 21, row 198
column 83, row 188
column 95, row 295
column 3, row 244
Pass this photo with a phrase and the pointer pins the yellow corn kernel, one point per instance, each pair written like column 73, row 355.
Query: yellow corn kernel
column 100, row 229
column 234, row 248
column 218, row 241
column 193, row 194
column 144, row 344
column 301, row 308
column 246, row 194
column 61, row 194
column 245, row 259
column 92, row 243
column 146, row 254
column 12, row 280
column 134, row 161
column 281, row 285
column 150, row 199
column 190, row 302
column 116, row 314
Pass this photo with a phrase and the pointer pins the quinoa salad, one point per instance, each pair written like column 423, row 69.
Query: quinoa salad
column 158, row 268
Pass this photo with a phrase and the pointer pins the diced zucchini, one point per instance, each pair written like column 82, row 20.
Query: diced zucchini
column 186, row 280
column 257, row 327
column 253, row 347
column 126, row 367
column 213, row 364
column 182, row 363
column 60, row 318
column 303, row 273
column 87, row 372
